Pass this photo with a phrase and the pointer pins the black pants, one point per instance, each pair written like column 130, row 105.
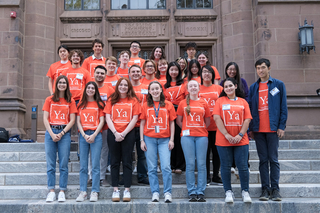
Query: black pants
column 215, row 156
column 121, row 151
column 142, row 167
column 177, row 156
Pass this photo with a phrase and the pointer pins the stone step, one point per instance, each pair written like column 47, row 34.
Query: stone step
column 39, row 147
column 73, row 178
column 287, row 205
column 74, row 166
column 143, row 192
column 288, row 154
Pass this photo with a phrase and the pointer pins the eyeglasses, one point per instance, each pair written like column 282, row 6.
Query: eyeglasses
column 232, row 70
column 135, row 46
column 207, row 72
column 150, row 66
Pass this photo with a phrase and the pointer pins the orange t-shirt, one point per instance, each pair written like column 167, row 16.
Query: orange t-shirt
column 166, row 114
column 141, row 92
column 210, row 95
column 123, row 72
column 59, row 112
column 194, row 122
column 55, row 70
column 111, row 80
column 78, row 78
column 232, row 114
column 162, row 80
column 90, row 116
column 105, row 92
column 137, row 61
column 90, row 63
column 174, row 93
column 263, row 108
column 216, row 73
column 121, row 113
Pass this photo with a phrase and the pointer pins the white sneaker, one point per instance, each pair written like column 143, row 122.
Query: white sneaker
column 229, row 197
column 158, row 169
column 126, row 196
column 167, row 197
column 109, row 168
column 82, row 196
column 51, row 197
column 155, row 197
column 94, row 197
column 246, row 197
column 116, row 196
column 233, row 170
column 61, row 197
column 135, row 170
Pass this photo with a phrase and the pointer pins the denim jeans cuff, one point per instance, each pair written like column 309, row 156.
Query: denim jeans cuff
column 51, row 187
column 63, row 189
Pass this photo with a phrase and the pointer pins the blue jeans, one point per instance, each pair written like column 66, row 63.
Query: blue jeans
column 267, row 148
column 63, row 147
column 195, row 148
column 240, row 155
column 155, row 145
column 142, row 167
column 95, row 149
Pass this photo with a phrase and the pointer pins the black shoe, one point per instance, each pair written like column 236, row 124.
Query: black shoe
column 201, row 198
column 216, row 180
column 208, row 181
column 144, row 181
column 264, row 195
column 193, row 198
column 275, row 196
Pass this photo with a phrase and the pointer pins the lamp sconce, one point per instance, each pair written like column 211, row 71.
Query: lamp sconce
column 306, row 37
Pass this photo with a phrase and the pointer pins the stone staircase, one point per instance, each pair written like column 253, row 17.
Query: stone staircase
column 23, row 184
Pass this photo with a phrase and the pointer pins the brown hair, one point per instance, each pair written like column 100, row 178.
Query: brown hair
column 163, row 55
column 84, row 100
column 135, row 65
column 97, row 41
column 79, row 52
column 67, row 93
column 115, row 97
column 149, row 96
column 153, row 63
column 157, row 75
column 112, row 58
column 123, row 52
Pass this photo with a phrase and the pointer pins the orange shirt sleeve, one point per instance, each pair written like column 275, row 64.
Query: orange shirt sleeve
column 217, row 108
column 108, row 108
column 207, row 110
column 46, row 105
column 143, row 112
column 73, row 107
column 216, row 73
column 180, row 108
column 171, row 110
column 136, row 107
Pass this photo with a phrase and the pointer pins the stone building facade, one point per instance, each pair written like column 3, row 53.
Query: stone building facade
column 229, row 30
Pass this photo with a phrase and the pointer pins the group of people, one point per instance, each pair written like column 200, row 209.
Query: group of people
column 176, row 111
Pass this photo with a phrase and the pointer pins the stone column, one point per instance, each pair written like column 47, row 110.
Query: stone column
column 12, row 109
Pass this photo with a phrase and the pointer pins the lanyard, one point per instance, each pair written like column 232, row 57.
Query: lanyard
column 156, row 111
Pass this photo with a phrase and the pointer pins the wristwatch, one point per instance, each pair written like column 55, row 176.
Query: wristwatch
column 241, row 135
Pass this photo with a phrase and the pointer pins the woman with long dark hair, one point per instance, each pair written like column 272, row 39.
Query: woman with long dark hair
column 232, row 116
column 90, row 120
column 157, row 54
column 183, row 65
column 193, row 71
column 203, row 59
column 122, row 111
column 157, row 137
column 58, row 117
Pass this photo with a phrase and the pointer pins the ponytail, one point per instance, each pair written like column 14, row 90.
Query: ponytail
column 188, row 104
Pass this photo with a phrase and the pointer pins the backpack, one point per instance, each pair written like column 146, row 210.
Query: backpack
column 4, row 135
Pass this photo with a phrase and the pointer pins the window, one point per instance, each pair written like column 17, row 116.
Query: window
column 82, row 5
column 138, row 4
column 196, row 4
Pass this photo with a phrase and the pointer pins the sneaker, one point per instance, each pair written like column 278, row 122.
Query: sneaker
column 144, row 181
column 229, row 197
column 201, row 198
column 126, row 196
column 89, row 183
column 233, row 170
column 109, row 168
column 104, row 183
column 193, row 198
column 116, row 196
column 94, row 197
column 217, row 181
column 208, row 181
column 135, row 170
column 51, row 197
column 155, row 197
column 178, row 171
column 246, row 197
column 167, row 197
column 82, row 196
column 61, row 197
column 264, row 195
column 275, row 196
column 158, row 169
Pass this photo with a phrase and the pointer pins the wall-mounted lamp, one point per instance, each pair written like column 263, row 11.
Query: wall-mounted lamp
column 306, row 37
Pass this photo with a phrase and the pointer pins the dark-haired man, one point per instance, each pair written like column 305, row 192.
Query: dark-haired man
column 96, row 59
column 135, row 48
column 268, row 105
column 191, row 49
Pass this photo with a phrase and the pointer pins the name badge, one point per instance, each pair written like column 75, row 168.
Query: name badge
column 226, row 107
column 144, row 91
column 79, row 76
column 274, row 91
column 137, row 61
column 113, row 83
column 186, row 132
column 157, row 129
column 104, row 97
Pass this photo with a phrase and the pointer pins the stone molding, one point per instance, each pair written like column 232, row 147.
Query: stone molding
column 288, row 1
column 195, row 15
column 81, row 16
column 80, row 19
column 10, row 3
column 138, row 19
column 12, row 104
column 303, row 101
column 130, row 16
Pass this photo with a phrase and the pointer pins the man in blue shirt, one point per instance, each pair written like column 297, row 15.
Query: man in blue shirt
column 268, row 105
